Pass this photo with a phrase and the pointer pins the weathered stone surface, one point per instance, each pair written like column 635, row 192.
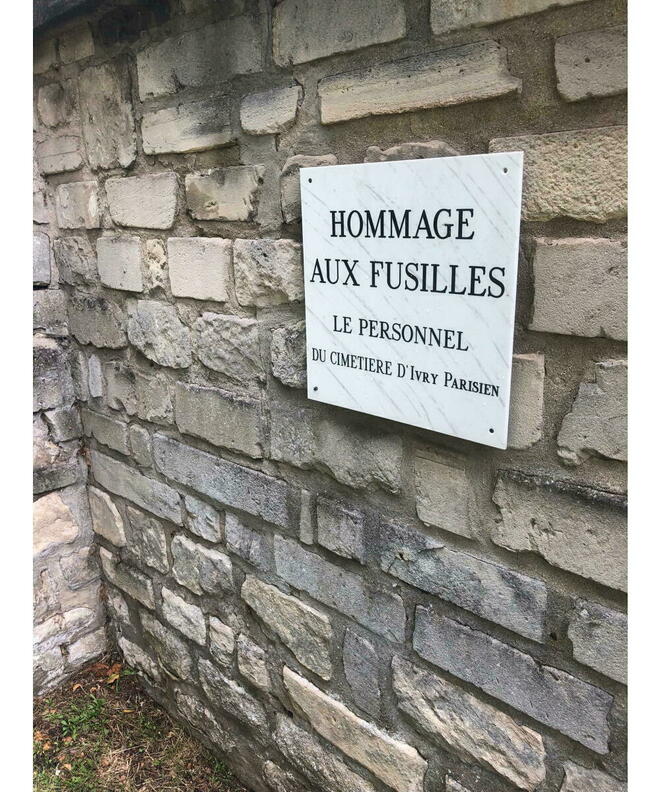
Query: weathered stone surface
column 200, row 569
column 221, row 641
column 579, row 779
column 77, row 205
column 203, row 519
column 267, row 271
column 49, row 312
column 59, row 154
column 232, row 46
column 143, row 201
column 251, row 545
column 380, row 611
column 53, row 466
column 279, row 780
column 476, row 731
column 288, row 355
column 75, row 260
column 40, row 259
column 526, row 400
column 76, row 43
column 600, row 639
column 443, row 496
column 134, row 583
column 64, row 423
column 120, row 386
column 397, row 764
column 45, row 55
column 355, row 456
column 270, row 112
column 580, row 287
column 154, row 402
column 140, row 442
column 56, row 103
column 156, row 265
column 120, row 262
column 172, row 653
column 231, row 697
column 593, row 63
column 196, row 126
column 94, row 319
column 588, row 539
column 106, row 520
column 94, row 377
column 223, row 418
column 184, row 616
column 51, row 382
column 230, row 345
column 226, row 482
column 546, row 694
column 87, row 648
column 147, row 540
column 108, row 431
column 490, row 590
column 224, row 193
column 156, row 330
column 311, row 29
column 447, row 15
column 439, row 79
column 579, row 174
column 360, row 661
column 453, row 786
column 290, row 181
column 251, row 661
column 147, row 493
column 325, row 770
column 341, row 529
column 409, row 151
column 597, row 424
column 53, row 524
column 199, row 267
column 305, row 631
column 136, row 658
column 199, row 716
column 107, row 115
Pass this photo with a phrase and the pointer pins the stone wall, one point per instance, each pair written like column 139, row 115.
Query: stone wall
column 334, row 601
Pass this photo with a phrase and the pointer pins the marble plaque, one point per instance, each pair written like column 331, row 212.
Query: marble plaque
column 410, row 289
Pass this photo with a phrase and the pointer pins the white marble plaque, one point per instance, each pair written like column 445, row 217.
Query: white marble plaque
column 410, row 289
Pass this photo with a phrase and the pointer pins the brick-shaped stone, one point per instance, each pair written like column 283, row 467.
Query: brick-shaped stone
column 221, row 641
column 106, row 430
column 600, row 639
column 52, row 384
column 156, row 330
column 268, row 271
column 448, row 15
column 251, row 662
column 120, row 262
column 75, row 260
column 77, row 205
column 200, row 569
column 224, row 193
column 143, row 201
column 76, row 43
column 49, row 312
column 290, row 181
column 196, row 126
column 184, row 616
column 270, row 112
column 228, row 695
column 40, row 259
column 579, row 779
column 443, row 495
column 203, row 520
column 341, row 529
column 59, row 154
column 96, row 320
column 247, row 543
column 147, row 541
column 199, row 267
column 129, row 580
column 592, row 63
column 106, row 520
column 526, row 400
column 360, row 661
column 230, row 345
column 171, row 651
column 56, row 103
column 288, row 355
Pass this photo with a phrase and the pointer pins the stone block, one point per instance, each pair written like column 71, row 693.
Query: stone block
column 373, row 608
column 360, row 661
column 196, row 126
column 171, row 652
column 288, row 355
column 136, row 658
column 49, row 312
column 224, row 193
column 45, row 55
column 203, row 520
column 410, row 151
column 120, row 386
column 580, row 174
column 221, row 641
column 577, row 534
column 184, row 616
column 223, row 418
column 129, row 580
column 341, row 529
column 106, row 519
column 77, row 205
column 40, row 259
column 64, row 423
column 290, row 181
column 526, row 400
column 548, row 695
column 304, row 630
column 448, row 15
column 267, row 271
column 87, row 648
column 75, row 260
column 140, row 441
column 96, row 320
column 59, row 154
column 143, row 201
column 597, row 424
column 306, row 30
column 56, row 103
column 251, row 661
column 200, row 569
column 199, row 267
column 120, row 262
column 253, row 546
column 579, row 779
column 580, row 287
column 270, row 112
column 473, row 730
column 600, row 639
column 230, row 345
column 76, row 43
column 453, row 76
column 53, row 524
column 229, row 696
column 443, row 496
column 106, row 430
column 147, row 541
column 156, row 330
column 592, row 63
column 394, row 762
column 156, row 265
column 106, row 115
column 153, row 398
column 52, row 382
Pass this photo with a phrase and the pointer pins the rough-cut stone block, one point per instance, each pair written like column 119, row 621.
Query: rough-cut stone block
column 454, row 76
column 410, row 151
column 52, row 382
column 64, row 423
column 580, row 287
column 40, row 259
column 154, row 402
column 156, row 330
column 267, row 271
column 107, row 115
column 45, row 55
column 488, row 589
column 143, row 201
column 324, row 769
column 579, row 779
column 108, row 431
column 226, row 482
column 597, row 424
column 200, row 569
column 341, row 530
column 448, row 15
column 76, row 43
column 360, row 661
column 171, row 651
column 106, row 520
column 245, row 542
column 396, row 763
column 53, row 466
column 223, row 418
column 77, row 205
column 49, row 312
column 200, row 57
column 56, row 103
column 221, row 641
column 600, row 639
column 184, row 616
column 288, row 355
column 546, row 694
column 129, row 580
column 59, row 154
column 290, row 181
column 120, row 262
column 140, row 442
column 196, row 126
column 224, row 193
column 251, row 662
column 90, row 646
column 377, row 610
column 230, row 345
column 96, row 320
column 526, row 401
column 156, row 265
column 75, row 260
column 231, row 697
column 53, row 524
column 579, row 174
column 203, row 520
column 146, row 540
column 149, row 494
column 581, row 536
column 138, row 659
column 305, row 30
column 593, row 63
column 199, row 267
column 443, row 496
column 305, row 631
column 474, row 730
column 270, row 112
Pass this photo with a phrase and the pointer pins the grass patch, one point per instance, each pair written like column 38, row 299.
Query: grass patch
column 100, row 733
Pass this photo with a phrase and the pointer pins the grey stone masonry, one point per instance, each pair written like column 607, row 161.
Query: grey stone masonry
column 251, row 662
column 199, row 267
column 579, row 779
column 526, row 400
column 171, row 651
column 229, row 696
column 40, row 259
column 360, row 660
column 143, row 201
column 147, row 541
column 593, row 63
column 200, row 569
column 221, row 641
column 203, row 520
column 184, row 616
column 49, row 312
column 106, row 519
column 52, row 382
column 600, row 639
column 448, row 15
column 267, row 271
column 548, row 695
column 341, row 529
column 75, row 261
column 120, row 262
column 77, row 205
column 230, row 345
column 106, row 430
column 56, row 103
column 195, row 126
column 156, row 330
column 76, row 43
column 439, row 79
column 288, row 355
column 290, row 181
column 270, row 112
column 97, row 320
column 130, row 580
column 443, row 495
column 410, row 151
column 59, row 154
column 224, row 193
column 251, row 545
